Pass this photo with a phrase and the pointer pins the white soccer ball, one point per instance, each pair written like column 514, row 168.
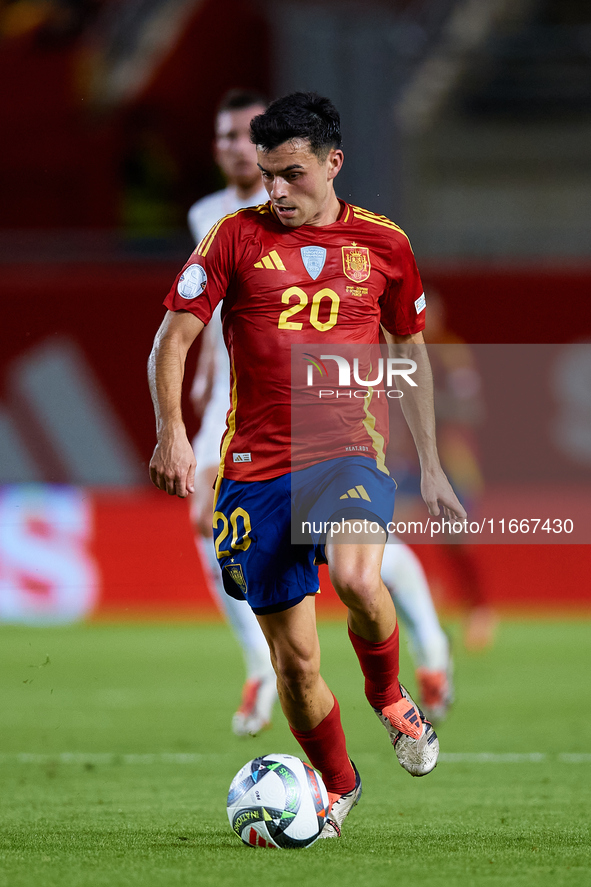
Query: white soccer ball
column 277, row 801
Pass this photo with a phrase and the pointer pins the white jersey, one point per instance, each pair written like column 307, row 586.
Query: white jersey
column 206, row 212
column 201, row 218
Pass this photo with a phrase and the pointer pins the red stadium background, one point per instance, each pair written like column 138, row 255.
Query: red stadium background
column 70, row 303
column 137, row 542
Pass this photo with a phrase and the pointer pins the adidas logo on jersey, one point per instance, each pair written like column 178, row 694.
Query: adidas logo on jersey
column 358, row 492
column 272, row 262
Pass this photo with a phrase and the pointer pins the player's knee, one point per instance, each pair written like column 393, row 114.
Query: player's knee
column 201, row 517
column 202, row 504
column 357, row 585
column 366, row 597
column 203, row 526
column 297, row 672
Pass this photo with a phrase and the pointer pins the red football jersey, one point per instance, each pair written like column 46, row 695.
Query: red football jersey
column 320, row 287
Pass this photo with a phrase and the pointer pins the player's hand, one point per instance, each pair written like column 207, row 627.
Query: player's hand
column 438, row 495
column 172, row 466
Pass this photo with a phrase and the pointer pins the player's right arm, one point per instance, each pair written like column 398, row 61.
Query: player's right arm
column 197, row 290
column 172, row 467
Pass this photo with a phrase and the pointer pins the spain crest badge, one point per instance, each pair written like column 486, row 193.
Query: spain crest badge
column 236, row 574
column 356, row 264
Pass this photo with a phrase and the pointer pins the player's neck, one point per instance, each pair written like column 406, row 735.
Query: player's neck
column 243, row 192
column 329, row 213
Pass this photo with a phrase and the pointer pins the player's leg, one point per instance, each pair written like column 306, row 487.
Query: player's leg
column 240, row 616
column 407, row 584
column 480, row 620
column 295, row 653
column 259, row 691
column 354, row 568
column 351, row 501
column 312, row 711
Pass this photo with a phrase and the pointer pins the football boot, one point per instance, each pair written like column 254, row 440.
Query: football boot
column 412, row 735
column 254, row 714
column 340, row 807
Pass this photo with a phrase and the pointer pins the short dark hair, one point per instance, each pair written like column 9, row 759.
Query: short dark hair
column 301, row 115
column 237, row 99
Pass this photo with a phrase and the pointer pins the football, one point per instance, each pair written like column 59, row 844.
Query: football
column 277, row 801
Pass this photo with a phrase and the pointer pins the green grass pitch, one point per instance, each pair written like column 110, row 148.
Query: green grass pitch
column 116, row 756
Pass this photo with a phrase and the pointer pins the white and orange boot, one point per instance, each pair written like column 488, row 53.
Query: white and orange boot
column 254, row 714
column 412, row 735
column 435, row 692
column 340, row 807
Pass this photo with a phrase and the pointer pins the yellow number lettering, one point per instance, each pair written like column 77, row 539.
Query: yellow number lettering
column 284, row 323
column 217, row 517
column 245, row 540
column 240, row 540
column 315, row 309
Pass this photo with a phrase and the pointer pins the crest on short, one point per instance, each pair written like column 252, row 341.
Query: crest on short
column 356, row 264
column 237, row 576
column 313, row 258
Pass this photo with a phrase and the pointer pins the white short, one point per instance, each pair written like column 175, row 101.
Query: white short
column 206, row 444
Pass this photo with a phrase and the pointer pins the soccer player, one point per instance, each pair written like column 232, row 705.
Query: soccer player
column 402, row 572
column 236, row 157
column 273, row 266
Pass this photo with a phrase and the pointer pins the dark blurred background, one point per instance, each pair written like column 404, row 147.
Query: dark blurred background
column 466, row 121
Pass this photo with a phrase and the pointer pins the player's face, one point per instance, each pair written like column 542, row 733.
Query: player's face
column 234, row 152
column 300, row 184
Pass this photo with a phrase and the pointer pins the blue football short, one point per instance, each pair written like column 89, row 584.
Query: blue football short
column 269, row 535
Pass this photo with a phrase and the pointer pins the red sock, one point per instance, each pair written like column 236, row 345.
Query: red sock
column 326, row 750
column 379, row 664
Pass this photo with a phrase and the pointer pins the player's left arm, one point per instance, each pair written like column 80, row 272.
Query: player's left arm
column 417, row 407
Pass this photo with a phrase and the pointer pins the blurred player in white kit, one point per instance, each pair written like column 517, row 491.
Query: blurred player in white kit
column 402, row 572
column 236, row 157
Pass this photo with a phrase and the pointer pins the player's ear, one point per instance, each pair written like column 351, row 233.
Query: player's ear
column 335, row 162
